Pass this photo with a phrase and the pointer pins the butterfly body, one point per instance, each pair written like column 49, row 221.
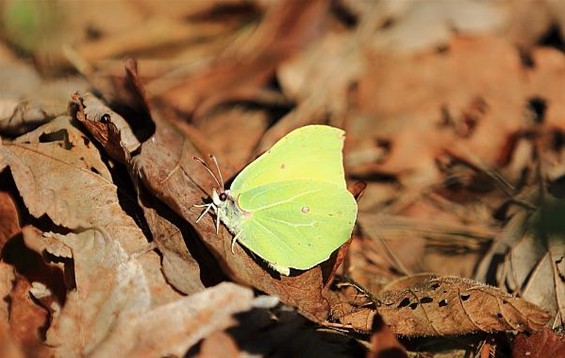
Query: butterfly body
column 291, row 206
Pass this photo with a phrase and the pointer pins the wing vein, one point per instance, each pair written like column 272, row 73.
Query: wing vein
column 289, row 200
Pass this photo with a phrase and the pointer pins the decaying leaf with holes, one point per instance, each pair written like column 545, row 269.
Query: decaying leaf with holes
column 426, row 305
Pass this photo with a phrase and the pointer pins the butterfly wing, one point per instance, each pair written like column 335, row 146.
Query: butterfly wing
column 307, row 153
column 296, row 223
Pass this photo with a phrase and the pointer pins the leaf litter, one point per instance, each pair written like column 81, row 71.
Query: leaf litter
column 455, row 119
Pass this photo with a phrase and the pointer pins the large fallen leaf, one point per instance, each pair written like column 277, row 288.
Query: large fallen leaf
column 172, row 329
column 87, row 198
column 427, row 305
column 110, row 289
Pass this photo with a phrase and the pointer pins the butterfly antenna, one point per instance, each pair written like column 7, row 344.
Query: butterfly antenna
column 220, row 185
column 218, row 170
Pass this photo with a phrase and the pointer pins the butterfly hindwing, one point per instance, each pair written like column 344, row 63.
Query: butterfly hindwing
column 296, row 223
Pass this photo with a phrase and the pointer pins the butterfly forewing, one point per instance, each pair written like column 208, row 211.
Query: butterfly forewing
column 296, row 223
column 308, row 153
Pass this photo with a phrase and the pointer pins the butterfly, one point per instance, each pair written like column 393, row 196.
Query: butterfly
column 290, row 206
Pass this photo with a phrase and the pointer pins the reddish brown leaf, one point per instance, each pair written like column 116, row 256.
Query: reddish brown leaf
column 9, row 221
column 541, row 344
column 383, row 342
column 218, row 344
column 26, row 319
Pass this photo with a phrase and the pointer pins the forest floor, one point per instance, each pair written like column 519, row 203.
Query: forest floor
column 454, row 120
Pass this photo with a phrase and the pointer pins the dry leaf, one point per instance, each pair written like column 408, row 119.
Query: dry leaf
column 95, row 112
column 171, row 329
column 8, row 345
column 26, row 319
column 111, row 289
column 425, row 305
column 285, row 27
column 181, row 270
column 383, row 342
column 218, row 344
column 87, row 198
column 435, row 23
column 446, row 87
column 541, row 344
column 9, row 221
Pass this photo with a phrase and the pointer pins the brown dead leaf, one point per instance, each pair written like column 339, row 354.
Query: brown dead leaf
column 87, row 198
column 285, row 27
column 27, row 100
column 180, row 269
column 8, row 345
column 426, row 305
column 36, row 159
column 383, row 342
column 27, row 319
column 111, row 289
column 102, row 124
column 446, row 86
column 531, row 266
column 541, row 344
column 435, row 23
column 227, row 127
column 433, row 240
column 218, row 344
column 324, row 72
column 177, row 326
column 9, row 220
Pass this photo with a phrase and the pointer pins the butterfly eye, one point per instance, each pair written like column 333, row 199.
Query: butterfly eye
column 223, row 196
column 105, row 118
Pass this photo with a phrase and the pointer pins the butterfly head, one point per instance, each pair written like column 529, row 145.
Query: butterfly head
column 219, row 198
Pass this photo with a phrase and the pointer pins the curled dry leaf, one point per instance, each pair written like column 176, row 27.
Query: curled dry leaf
column 425, row 305
column 27, row 100
column 103, row 123
column 180, row 269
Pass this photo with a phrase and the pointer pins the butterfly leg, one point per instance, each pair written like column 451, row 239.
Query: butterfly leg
column 233, row 241
column 207, row 206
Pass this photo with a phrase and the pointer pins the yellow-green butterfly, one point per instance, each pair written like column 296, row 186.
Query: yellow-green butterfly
column 290, row 206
